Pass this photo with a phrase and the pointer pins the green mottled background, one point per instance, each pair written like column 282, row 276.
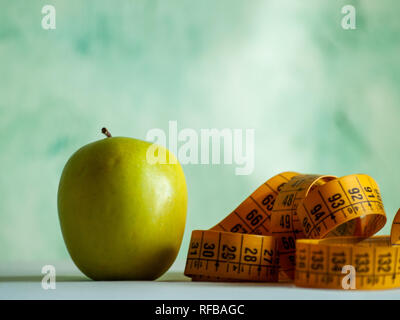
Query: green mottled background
column 321, row 99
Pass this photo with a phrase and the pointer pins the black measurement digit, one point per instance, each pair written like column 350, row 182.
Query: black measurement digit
column 317, row 260
column 355, row 194
column 288, row 243
column 228, row 248
column 378, row 195
column 338, row 260
column 250, row 258
column 269, row 254
column 287, row 201
column 369, row 191
column 194, row 246
column 384, row 262
column 248, row 250
column 292, row 260
column 254, row 217
column 238, row 228
column 208, row 250
column 281, row 186
column 285, row 221
column 316, row 212
column 306, row 225
column 301, row 261
column 362, row 262
column 336, row 200
column 296, row 183
column 250, row 254
column 350, row 210
column 268, row 202
column 228, row 252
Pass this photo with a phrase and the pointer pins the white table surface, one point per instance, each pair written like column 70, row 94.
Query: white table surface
column 23, row 281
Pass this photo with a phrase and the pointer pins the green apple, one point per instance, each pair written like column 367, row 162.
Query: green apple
column 122, row 218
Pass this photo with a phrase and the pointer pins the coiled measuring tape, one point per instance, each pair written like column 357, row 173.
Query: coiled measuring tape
column 278, row 229
column 254, row 256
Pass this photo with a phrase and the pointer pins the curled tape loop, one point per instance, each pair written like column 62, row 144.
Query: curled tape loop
column 302, row 227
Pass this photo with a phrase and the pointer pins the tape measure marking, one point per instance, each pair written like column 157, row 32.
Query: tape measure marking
column 343, row 207
column 225, row 255
column 285, row 222
column 319, row 263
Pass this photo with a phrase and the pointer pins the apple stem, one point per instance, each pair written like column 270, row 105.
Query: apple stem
column 106, row 132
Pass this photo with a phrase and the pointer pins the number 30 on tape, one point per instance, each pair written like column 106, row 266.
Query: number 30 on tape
column 302, row 227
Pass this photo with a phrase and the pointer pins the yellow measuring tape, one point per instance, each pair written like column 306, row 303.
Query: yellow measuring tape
column 302, row 227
